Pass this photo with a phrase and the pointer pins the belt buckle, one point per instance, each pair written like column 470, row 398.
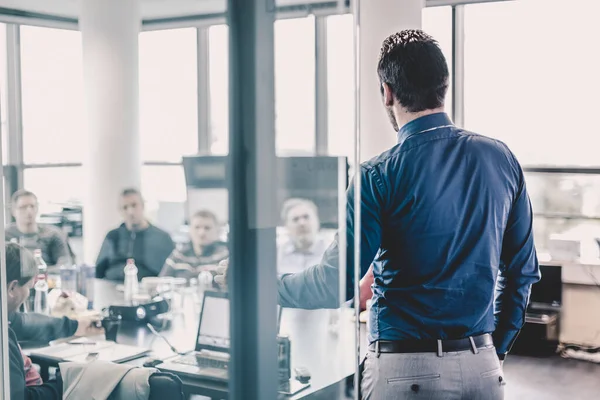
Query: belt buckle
column 377, row 352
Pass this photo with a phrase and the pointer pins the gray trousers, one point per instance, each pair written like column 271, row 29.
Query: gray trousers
column 457, row 375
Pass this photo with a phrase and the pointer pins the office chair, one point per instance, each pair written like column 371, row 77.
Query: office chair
column 164, row 385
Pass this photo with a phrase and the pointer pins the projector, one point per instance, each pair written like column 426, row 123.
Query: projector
column 141, row 312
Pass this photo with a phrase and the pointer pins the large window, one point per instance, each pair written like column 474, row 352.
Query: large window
column 341, row 85
column 295, row 85
column 52, row 91
column 218, row 58
column 56, row 185
column 162, row 184
column 3, row 95
column 437, row 21
column 168, row 94
column 535, row 85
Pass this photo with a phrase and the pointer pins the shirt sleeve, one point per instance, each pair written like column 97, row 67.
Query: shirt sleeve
column 518, row 271
column 41, row 328
column 319, row 286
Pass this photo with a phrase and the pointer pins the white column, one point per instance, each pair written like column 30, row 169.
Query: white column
column 109, row 31
column 377, row 20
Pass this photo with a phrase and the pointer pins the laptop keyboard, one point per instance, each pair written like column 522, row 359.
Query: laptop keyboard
column 201, row 362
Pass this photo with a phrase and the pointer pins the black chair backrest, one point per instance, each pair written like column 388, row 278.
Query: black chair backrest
column 164, row 385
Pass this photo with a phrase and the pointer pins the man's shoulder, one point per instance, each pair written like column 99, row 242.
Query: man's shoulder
column 114, row 233
column 49, row 231
column 12, row 230
column 380, row 158
column 160, row 234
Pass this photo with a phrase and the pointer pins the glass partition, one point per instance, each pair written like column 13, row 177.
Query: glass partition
column 566, row 210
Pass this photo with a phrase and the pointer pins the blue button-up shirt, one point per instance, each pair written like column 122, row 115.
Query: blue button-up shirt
column 446, row 223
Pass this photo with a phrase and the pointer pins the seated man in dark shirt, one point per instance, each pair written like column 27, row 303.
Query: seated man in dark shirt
column 25, row 381
column 136, row 238
column 203, row 253
column 31, row 235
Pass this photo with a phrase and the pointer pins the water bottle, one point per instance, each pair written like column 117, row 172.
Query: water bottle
column 85, row 282
column 205, row 281
column 131, row 280
column 68, row 278
column 41, row 264
column 40, row 303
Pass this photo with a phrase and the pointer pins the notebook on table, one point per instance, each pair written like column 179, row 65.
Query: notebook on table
column 78, row 350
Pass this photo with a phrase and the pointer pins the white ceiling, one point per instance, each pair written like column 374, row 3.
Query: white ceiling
column 151, row 9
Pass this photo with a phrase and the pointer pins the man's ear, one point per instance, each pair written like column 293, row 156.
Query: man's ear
column 388, row 96
column 12, row 286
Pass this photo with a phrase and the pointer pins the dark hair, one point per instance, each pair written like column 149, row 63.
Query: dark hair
column 206, row 214
column 413, row 65
column 20, row 264
column 130, row 191
column 21, row 193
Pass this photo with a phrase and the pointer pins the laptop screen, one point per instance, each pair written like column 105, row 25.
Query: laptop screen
column 214, row 324
column 213, row 332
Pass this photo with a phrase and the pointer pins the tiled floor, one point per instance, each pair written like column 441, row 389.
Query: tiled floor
column 551, row 378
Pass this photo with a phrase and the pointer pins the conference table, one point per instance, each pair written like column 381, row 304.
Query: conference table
column 327, row 349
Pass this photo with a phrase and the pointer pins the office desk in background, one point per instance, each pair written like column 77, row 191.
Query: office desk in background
column 328, row 356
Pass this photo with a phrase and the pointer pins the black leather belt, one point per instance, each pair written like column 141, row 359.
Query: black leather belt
column 432, row 346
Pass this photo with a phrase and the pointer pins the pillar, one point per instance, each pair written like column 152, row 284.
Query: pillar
column 377, row 20
column 112, row 161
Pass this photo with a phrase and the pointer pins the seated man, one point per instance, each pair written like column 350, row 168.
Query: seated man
column 27, row 232
column 204, row 251
column 304, row 247
column 136, row 238
column 25, row 381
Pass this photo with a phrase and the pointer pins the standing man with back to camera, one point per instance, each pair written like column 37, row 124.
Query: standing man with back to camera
column 446, row 224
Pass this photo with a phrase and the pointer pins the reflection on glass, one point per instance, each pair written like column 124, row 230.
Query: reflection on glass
column 168, row 94
column 514, row 81
column 53, row 111
column 566, row 208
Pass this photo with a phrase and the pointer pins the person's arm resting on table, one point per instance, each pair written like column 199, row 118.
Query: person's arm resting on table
column 518, row 271
column 318, row 286
column 41, row 328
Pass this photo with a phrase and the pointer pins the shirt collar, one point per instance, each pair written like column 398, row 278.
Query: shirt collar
column 421, row 124
column 290, row 248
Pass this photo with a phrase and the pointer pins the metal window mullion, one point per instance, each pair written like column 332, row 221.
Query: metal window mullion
column 15, row 100
column 321, row 100
column 204, row 122
column 458, row 65
column 4, row 352
column 252, row 180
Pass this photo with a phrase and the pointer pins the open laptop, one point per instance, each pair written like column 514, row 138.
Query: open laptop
column 210, row 359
